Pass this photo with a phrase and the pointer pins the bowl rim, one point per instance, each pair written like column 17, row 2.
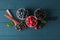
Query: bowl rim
column 19, row 17
column 31, row 26
column 41, row 11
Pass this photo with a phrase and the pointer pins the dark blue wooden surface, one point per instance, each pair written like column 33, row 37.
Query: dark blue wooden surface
column 51, row 31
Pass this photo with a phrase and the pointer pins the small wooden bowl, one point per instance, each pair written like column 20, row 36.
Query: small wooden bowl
column 40, row 13
column 22, row 13
column 31, row 21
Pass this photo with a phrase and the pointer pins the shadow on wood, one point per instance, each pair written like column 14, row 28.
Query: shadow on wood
column 50, row 17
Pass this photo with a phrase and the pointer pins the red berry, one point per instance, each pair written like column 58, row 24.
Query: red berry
column 31, row 21
column 36, row 28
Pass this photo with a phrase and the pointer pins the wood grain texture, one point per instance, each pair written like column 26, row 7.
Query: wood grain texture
column 51, row 31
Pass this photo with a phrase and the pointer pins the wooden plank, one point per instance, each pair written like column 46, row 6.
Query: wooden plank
column 54, row 4
column 51, row 31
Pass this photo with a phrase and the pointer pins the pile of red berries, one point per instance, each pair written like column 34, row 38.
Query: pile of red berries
column 31, row 21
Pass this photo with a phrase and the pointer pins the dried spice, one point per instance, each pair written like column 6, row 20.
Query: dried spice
column 22, row 13
column 40, row 13
column 20, row 26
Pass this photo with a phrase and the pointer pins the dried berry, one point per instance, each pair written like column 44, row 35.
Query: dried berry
column 40, row 13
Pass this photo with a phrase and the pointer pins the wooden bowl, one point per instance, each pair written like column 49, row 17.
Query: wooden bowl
column 22, row 13
column 31, row 21
column 40, row 13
